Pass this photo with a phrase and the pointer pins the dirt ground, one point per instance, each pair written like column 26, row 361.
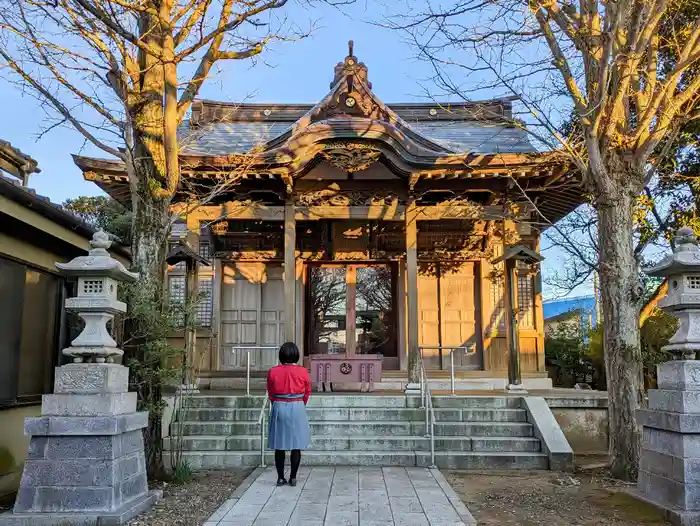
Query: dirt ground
column 528, row 498
column 193, row 503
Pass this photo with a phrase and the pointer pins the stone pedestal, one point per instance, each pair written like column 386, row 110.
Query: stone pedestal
column 669, row 470
column 86, row 463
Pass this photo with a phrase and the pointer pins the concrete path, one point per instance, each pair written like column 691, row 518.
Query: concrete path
column 345, row 496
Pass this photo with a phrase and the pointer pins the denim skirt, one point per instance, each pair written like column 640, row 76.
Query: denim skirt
column 289, row 425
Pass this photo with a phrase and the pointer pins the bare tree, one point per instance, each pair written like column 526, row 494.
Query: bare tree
column 123, row 73
column 627, row 70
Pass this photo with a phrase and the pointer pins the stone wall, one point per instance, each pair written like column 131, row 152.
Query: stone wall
column 584, row 421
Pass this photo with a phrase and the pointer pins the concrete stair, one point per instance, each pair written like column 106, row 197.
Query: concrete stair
column 475, row 432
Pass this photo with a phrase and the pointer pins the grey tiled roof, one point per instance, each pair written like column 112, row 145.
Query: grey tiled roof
column 475, row 137
column 225, row 138
column 457, row 136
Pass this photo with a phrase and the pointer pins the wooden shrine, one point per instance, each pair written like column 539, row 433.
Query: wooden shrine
column 356, row 227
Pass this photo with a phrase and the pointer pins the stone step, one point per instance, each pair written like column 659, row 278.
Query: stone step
column 481, row 402
column 361, row 401
column 384, row 428
column 462, row 460
column 363, row 414
column 484, row 460
column 483, row 429
column 368, row 443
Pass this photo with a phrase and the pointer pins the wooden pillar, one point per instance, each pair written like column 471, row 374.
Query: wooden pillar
column 411, row 232
column 350, row 310
column 218, row 278
column 191, row 285
column 512, row 325
column 539, row 314
column 289, row 273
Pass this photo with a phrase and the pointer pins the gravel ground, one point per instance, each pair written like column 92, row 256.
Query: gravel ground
column 529, row 498
column 193, row 503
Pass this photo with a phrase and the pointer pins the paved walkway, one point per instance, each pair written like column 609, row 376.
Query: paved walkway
column 345, row 496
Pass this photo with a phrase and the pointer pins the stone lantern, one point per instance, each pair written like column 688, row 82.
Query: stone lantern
column 96, row 301
column 86, row 462
column 682, row 271
column 669, row 470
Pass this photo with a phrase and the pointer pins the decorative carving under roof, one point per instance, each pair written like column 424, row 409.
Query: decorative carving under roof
column 350, row 157
column 334, row 195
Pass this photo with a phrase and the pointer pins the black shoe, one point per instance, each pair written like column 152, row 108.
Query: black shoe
column 292, row 482
column 281, row 482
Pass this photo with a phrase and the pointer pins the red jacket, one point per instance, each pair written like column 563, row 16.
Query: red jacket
column 288, row 379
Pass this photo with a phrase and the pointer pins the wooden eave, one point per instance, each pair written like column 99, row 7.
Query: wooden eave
column 350, row 117
column 16, row 163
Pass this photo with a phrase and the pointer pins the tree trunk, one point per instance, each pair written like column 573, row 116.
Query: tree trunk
column 619, row 281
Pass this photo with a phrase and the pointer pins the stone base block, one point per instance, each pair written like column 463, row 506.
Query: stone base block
column 672, row 514
column 677, row 422
column 105, row 404
column 683, row 470
column 90, row 448
column 112, row 518
column 84, row 425
column 91, row 378
column 672, row 493
column 671, row 443
column 679, row 374
column 673, row 401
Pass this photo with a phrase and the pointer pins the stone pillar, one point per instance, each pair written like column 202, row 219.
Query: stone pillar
column 86, row 461
column 669, row 470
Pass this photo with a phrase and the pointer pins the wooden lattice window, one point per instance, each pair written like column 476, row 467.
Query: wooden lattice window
column 526, row 301
column 176, row 296
column 205, row 306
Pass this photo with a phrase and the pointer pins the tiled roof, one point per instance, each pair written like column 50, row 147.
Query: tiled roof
column 225, row 138
column 475, row 137
column 42, row 205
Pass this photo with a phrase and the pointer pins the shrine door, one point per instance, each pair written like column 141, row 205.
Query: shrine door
column 449, row 315
column 252, row 316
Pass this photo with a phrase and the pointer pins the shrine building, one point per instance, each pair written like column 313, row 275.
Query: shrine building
column 358, row 228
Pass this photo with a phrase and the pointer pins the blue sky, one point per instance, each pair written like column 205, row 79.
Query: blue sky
column 290, row 72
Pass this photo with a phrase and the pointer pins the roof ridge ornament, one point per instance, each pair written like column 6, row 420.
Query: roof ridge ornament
column 349, row 67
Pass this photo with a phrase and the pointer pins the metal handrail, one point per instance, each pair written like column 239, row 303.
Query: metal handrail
column 247, row 360
column 427, row 404
column 261, row 423
column 468, row 349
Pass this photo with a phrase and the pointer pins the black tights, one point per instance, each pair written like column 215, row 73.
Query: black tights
column 294, row 457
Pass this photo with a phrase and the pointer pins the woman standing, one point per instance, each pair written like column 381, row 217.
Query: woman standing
column 289, row 388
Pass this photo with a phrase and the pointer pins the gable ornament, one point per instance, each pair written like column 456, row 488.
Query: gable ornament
column 350, row 157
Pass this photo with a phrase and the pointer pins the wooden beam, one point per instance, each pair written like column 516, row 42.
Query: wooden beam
column 232, row 210
column 289, row 273
column 411, row 231
column 450, row 211
column 391, row 212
